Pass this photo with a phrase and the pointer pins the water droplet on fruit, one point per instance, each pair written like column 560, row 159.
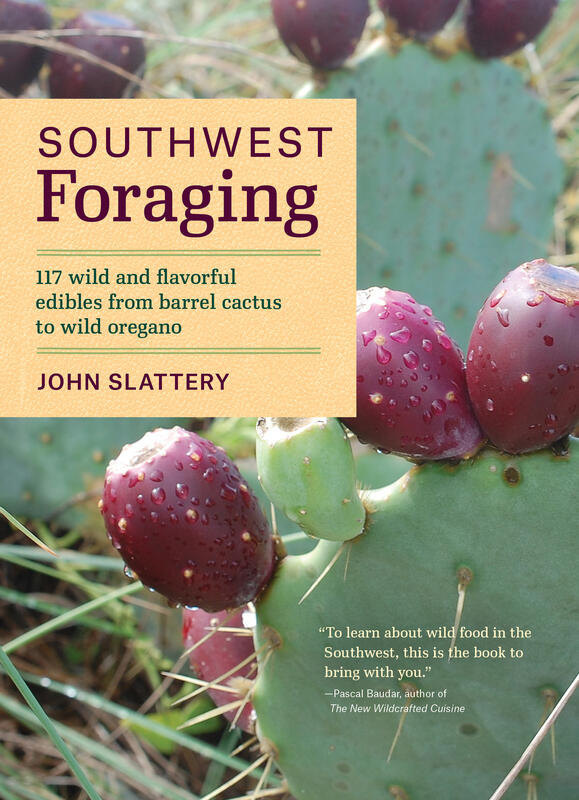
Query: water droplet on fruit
column 536, row 300
column 438, row 407
column 427, row 417
column 156, row 476
column 173, row 518
column 367, row 337
column 493, row 366
column 402, row 335
column 496, row 299
column 399, row 315
column 158, row 495
column 128, row 572
column 182, row 490
column 382, row 355
column 490, row 405
column 525, row 377
column 445, row 341
column 411, row 359
column 129, row 511
column 427, row 310
column 140, row 499
column 414, row 401
column 563, row 369
column 427, row 345
column 504, row 317
column 209, row 474
column 133, row 480
column 376, row 398
column 481, row 327
column 392, row 403
column 179, row 466
column 548, row 340
column 191, row 515
column 228, row 492
column 154, row 517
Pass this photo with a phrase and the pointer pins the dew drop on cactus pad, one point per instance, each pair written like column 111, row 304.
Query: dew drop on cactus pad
column 419, row 18
column 522, row 363
column 323, row 33
column 496, row 28
column 186, row 523
column 411, row 388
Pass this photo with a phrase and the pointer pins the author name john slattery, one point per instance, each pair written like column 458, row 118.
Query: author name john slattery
column 132, row 382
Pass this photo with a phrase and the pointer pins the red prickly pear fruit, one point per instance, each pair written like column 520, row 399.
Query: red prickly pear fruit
column 522, row 366
column 20, row 63
column 323, row 33
column 411, row 389
column 419, row 19
column 219, row 654
column 184, row 520
column 496, row 28
column 74, row 77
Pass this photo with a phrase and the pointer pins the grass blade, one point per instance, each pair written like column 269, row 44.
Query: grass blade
column 46, row 723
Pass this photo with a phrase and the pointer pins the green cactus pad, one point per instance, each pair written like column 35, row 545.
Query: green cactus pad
column 307, row 468
column 458, row 175
column 504, row 522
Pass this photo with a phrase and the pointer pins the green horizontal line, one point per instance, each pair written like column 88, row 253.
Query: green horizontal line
column 184, row 349
column 175, row 351
column 231, row 251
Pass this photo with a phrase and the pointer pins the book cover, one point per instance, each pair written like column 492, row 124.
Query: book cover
column 289, row 325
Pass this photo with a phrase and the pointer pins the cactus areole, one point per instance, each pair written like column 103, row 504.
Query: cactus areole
column 411, row 388
column 184, row 520
column 523, row 358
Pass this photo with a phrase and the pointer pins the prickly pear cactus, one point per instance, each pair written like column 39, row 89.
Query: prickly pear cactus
column 498, row 529
column 458, row 174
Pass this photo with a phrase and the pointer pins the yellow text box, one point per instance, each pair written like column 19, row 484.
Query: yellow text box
column 178, row 258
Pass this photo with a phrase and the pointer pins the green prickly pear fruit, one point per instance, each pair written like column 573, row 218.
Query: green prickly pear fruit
column 184, row 520
column 522, row 365
column 307, row 468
